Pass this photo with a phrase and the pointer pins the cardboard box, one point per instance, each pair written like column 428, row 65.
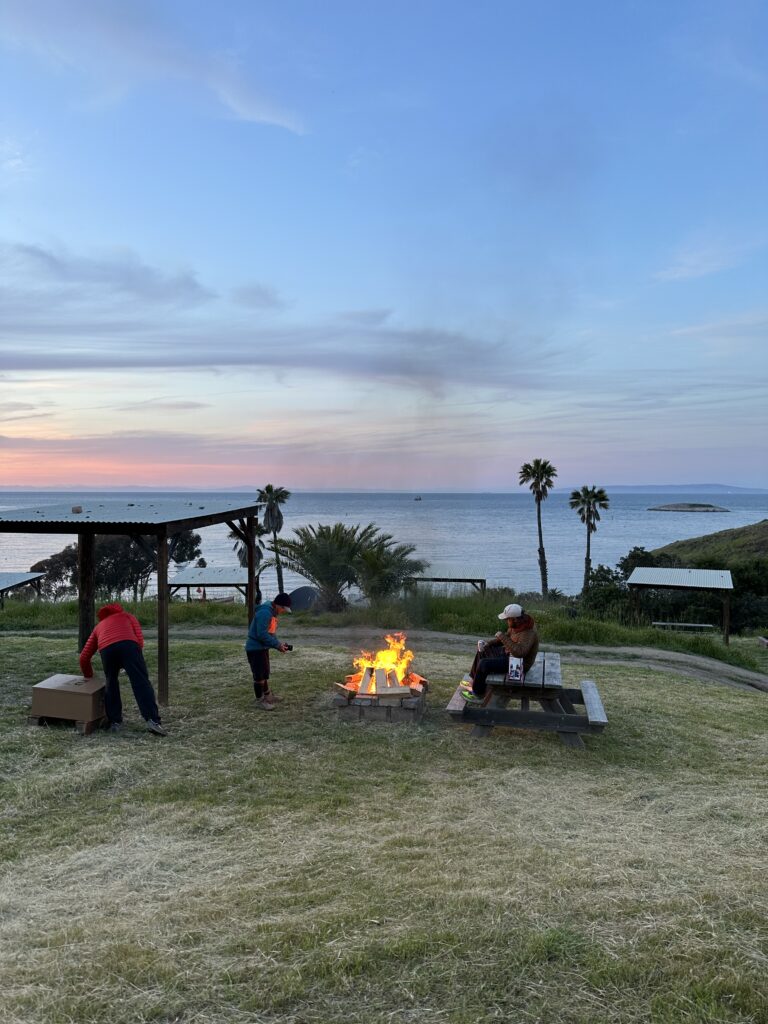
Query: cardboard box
column 71, row 697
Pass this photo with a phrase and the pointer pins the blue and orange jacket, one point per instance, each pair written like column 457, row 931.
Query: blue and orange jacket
column 262, row 633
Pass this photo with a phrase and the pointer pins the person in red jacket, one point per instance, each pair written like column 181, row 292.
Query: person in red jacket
column 118, row 638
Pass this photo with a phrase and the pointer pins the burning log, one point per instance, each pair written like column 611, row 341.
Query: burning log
column 350, row 692
column 366, row 681
column 384, row 678
column 393, row 695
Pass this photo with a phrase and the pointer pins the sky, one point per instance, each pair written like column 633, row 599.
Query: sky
column 405, row 245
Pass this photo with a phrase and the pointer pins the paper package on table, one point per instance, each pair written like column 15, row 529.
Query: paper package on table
column 516, row 672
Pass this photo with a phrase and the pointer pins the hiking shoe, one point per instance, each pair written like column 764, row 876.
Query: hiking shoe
column 272, row 697
column 470, row 696
column 265, row 705
column 116, row 727
column 156, row 728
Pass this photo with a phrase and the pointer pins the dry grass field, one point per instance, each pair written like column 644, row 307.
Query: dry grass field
column 287, row 868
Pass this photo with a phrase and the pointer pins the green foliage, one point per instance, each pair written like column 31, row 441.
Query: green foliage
column 120, row 565
column 741, row 545
column 241, row 550
column 749, row 600
column 335, row 558
column 383, row 568
column 326, row 556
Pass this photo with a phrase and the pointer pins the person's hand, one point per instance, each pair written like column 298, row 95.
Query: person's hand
column 499, row 636
column 283, row 648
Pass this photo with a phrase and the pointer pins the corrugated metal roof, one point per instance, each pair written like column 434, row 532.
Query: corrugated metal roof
column 148, row 513
column 9, row 580
column 696, row 579
column 192, row 576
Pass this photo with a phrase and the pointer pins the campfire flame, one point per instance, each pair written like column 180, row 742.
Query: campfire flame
column 387, row 670
column 395, row 657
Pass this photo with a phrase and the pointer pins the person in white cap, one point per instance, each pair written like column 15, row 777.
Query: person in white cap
column 520, row 641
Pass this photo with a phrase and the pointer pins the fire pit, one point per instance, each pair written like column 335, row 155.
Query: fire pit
column 384, row 689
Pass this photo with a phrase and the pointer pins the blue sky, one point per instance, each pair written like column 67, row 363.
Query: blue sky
column 406, row 245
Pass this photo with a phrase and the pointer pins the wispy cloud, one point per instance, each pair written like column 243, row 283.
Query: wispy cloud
column 162, row 405
column 65, row 311
column 117, row 273
column 417, row 358
column 122, row 45
column 754, row 325
column 257, row 296
column 704, row 259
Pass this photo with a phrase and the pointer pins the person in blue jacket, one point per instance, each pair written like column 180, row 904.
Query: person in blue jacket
column 262, row 638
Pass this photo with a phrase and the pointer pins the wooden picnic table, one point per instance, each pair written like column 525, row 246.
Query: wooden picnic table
column 542, row 685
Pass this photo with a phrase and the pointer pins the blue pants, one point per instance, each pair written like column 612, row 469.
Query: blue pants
column 126, row 654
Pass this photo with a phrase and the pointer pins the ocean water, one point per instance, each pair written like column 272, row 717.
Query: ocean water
column 488, row 535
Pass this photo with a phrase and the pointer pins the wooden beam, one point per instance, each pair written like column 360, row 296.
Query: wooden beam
column 86, row 585
column 238, row 531
column 162, row 617
column 250, row 543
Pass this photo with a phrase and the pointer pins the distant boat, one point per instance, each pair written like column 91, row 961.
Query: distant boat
column 417, row 498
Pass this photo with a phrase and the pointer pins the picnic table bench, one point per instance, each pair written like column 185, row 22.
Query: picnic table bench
column 542, row 685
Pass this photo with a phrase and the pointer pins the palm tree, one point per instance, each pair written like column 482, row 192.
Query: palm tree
column 241, row 550
column 273, row 498
column 587, row 502
column 328, row 557
column 540, row 474
column 384, row 567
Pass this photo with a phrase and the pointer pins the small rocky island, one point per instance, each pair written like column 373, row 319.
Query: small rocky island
column 684, row 506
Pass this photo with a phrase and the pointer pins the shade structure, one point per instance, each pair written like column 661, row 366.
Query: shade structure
column 164, row 519
column 445, row 574
column 681, row 578
column 13, row 580
column 235, row 577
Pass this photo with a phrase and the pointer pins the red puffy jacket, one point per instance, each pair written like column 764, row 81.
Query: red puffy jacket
column 114, row 624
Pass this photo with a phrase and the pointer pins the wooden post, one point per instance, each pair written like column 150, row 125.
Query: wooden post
column 727, row 619
column 250, row 543
column 634, row 600
column 162, row 618
column 86, row 586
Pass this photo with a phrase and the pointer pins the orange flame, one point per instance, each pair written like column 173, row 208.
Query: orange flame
column 394, row 658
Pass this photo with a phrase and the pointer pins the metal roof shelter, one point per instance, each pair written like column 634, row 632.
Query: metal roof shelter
column 13, row 580
column 442, row 574
column 163, row 519
column 236, row 576
column 687, row 579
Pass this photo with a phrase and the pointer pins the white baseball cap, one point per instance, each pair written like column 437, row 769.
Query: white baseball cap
column 512, row 611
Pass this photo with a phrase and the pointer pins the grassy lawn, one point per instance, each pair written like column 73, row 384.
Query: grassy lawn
column 287, row 868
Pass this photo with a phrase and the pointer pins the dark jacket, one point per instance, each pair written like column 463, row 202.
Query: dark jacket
column 522, row 641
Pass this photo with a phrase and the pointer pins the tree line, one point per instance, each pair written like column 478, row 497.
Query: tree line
column 121, row 565
column 333, row 559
